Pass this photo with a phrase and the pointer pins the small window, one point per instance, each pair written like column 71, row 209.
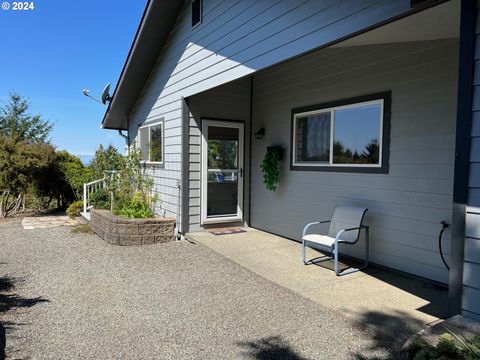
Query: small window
column 415, row 3
column 196, row 12
column 151, row 142
column 340, row 136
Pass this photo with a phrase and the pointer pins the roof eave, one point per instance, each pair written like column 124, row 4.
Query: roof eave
column 155, row 25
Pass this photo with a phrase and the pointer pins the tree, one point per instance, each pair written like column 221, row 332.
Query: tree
column 74, row 172
column 48, row 181
column 16, row 121
column 27, row 160
column 343, row 155
column 24, row 167
column 372, row 152
column 106, row 159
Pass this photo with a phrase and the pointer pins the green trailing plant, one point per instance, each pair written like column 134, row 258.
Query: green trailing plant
column 271, row 170
column 75, row 208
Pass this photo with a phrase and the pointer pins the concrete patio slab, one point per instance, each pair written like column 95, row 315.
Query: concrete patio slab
column 367, row 296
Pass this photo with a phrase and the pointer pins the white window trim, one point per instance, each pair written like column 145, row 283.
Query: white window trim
column 331, row 110
column 139, row 143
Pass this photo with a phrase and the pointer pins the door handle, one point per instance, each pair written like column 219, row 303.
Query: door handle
column 241, row 172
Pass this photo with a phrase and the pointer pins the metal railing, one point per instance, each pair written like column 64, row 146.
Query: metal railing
column 88, row 190
column 92, row 187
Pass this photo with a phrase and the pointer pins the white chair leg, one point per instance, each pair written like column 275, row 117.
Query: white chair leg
column 314, row 260
column 335, row 260
column 304, row 252
column 352, row 270
column 367, row 249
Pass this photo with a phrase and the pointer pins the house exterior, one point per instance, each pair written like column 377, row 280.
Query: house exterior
column 372, row 103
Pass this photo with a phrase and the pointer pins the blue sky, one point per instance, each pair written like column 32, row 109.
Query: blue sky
column 51, row 53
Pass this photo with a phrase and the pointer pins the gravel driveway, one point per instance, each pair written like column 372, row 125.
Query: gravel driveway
column 77, row 297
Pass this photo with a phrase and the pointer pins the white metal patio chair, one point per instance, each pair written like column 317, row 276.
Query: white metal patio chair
column 345, row 227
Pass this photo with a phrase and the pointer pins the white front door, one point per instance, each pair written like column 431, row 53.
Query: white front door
column 222, row 171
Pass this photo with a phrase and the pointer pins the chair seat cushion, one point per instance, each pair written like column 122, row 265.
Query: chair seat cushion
column 324, row 240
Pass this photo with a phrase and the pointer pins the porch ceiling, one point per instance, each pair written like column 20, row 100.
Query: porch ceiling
column 439, row 22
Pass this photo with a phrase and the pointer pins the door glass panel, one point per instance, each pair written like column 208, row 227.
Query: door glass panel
column 222, row 148
column 222, row 172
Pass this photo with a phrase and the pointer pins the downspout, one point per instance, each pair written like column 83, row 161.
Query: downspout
column 250, row 156
column 126, row 137
column 183, row 186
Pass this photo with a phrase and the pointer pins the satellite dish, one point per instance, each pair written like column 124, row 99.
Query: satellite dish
column 105, row 95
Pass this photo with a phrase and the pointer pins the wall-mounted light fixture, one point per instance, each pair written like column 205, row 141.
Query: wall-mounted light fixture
column 260, row 134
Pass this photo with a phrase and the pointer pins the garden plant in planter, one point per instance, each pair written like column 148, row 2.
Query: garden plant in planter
column 133, row 190
column 271, row 167
column 133, row 220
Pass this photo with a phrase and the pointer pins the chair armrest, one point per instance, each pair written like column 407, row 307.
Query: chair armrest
column 337, row 237
column 357, row 228
column 313, row 223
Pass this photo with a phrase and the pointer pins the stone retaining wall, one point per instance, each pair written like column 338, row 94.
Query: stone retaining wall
column 118, row 230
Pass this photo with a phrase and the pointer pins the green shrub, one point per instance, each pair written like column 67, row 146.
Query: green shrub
column 74, row 172
column 449, row 346
column 100, row 199
column 133, row 189
column 446, row 346
column 75, row 208
column 136, row 208
column 471, row 348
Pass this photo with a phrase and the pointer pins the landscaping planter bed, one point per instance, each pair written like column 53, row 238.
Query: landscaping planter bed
column 118, row 230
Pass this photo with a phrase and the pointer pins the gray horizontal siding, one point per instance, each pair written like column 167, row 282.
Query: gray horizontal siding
column 471, row 269
column 237, row 38
column 165, row 178
column 405, row 205
column 251, row 35
column 471, row 274
column 472, row 249
column 470, row 301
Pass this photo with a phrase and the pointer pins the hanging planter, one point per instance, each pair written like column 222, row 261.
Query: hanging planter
column 271, row 167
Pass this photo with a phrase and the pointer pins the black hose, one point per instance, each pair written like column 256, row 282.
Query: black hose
column 444, row 226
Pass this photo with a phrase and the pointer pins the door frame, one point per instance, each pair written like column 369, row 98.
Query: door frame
column 240, row 125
